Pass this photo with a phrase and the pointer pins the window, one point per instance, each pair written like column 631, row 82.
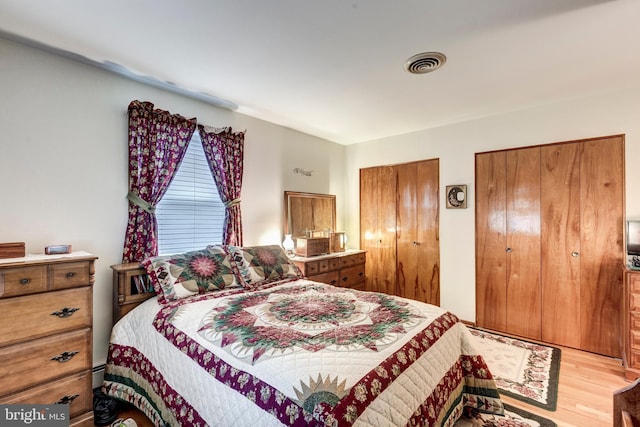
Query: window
column 190, row 215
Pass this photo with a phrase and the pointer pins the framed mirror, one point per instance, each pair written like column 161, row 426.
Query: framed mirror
column 308, row 212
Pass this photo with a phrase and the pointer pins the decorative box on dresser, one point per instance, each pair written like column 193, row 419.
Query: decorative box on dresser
column 631, row 323
column 46, row 332
column 344, row 269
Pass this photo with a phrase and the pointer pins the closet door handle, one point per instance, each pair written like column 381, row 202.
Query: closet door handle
column 575, row 254
column 509, row 250
column 415, row 243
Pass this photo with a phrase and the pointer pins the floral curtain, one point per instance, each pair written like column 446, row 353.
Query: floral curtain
column 158, row 141
column 224, row 151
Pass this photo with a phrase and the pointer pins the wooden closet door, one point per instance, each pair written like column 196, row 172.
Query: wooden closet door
column 406, row 231
column 377, row 227
column 523, row 242
column 602, row 233
column 560, row 255
column 417, row 231
column 491, row 241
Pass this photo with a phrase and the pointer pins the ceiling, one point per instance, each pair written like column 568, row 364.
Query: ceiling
column 335, row 68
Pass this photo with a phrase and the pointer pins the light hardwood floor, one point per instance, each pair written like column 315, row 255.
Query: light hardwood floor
column 585, row 392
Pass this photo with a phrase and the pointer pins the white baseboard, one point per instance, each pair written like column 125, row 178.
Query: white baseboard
column 97, row 376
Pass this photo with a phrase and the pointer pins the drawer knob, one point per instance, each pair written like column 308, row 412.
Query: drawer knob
column 70, row 274
column 25, row 281
column 64, row 356
column 333, row 282
column 66, row 399
column 65, row 312
column 345, row 278
column 361, row 274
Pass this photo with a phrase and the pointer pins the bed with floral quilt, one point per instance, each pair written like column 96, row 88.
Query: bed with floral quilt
column 235, row 336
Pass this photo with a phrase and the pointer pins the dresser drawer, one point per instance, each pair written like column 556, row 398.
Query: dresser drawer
column 634, row 283
column 634, row 302
column 330, row 277
column 323, row 265
column 69, row 275
column 22, row 280
column 634, row 321
column 635, row 359
column 352, row 276
column 334, row 264
column 350, row 260
column 39, row 315
column 309, row 268
column 39, row 361
column 634, row 340
column 75, row 388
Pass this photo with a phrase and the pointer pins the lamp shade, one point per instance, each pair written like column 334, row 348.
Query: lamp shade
column 288, row 244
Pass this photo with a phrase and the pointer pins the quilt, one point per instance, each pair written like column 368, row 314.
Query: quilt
column 297, row 353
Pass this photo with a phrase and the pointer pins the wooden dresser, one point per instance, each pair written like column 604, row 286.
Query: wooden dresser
column 339, row 268
column 46, row 332
column 631, row 323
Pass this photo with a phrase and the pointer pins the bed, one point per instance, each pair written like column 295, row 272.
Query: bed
column 267, row 347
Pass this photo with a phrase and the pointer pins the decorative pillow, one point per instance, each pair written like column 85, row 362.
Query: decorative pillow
column 258, row 265
column 197, row 272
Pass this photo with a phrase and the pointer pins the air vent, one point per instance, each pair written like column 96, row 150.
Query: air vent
column 426, row 62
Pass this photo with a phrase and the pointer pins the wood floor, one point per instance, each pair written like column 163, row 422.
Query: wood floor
column 585, row 392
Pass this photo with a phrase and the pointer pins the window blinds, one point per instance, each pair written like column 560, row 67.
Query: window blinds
column 190, row 215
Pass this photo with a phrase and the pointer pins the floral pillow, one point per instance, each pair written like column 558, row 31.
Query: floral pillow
column 197, row 272
column 258, row 265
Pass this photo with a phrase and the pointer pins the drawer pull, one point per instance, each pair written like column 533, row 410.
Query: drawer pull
column 65, row 312
column 66, row 399
column 70, row 274
column 333, row 282
column 361, row 274
column 25, row 281
column 64, row 356
column 345, row 278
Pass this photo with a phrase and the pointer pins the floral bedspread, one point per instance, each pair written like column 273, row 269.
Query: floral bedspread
column 297, row 353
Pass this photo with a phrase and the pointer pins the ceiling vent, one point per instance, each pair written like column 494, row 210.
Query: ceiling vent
column 426, row 62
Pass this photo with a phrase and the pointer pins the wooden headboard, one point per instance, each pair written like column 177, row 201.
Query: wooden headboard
column 131, row 286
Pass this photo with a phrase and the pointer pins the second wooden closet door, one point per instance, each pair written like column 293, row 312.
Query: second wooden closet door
column 399, row 229
column 549, row 232
column 508, row 241
column 417, row 238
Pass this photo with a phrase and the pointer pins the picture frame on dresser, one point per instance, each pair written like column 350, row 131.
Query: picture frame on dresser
column 49, row 358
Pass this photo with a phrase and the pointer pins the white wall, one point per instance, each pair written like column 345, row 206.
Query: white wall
column 455, row 146
column 63, row 162
column 63, row 165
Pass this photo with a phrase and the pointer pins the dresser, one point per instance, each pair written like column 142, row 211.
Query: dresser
column 631, row 323
column 46, row 332
column 344, row 269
